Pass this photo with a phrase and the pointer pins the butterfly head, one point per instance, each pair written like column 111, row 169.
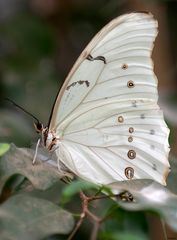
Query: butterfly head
column 48, row 138
column 38, row 127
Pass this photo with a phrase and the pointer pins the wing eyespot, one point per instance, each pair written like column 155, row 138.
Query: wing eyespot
column 124, row 66
column 131, row 130
column 129, row 172
column 131, row 154
column 120, row 119
column 130, row 139
column 130, row 84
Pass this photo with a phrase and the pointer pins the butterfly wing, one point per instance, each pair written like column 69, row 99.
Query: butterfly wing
column 106, row 114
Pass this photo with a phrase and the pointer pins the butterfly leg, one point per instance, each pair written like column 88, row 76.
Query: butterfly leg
column 64, row 171
column 36, row 150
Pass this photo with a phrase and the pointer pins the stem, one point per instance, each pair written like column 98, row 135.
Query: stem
column 85, row 200
column 94, row 232
column 87, row 213
column 164, row 229
column 79, row 223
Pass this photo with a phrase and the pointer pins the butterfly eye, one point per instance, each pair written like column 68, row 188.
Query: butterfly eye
column 38, row 126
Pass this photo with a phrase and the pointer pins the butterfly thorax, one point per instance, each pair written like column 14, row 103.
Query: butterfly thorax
column 49, row 139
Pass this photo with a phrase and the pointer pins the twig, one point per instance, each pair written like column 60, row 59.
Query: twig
column 95, row 231
column 79, row 223
column 87, row 213
column 85, row 200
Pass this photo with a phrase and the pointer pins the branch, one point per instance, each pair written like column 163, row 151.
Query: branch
column 85, row 200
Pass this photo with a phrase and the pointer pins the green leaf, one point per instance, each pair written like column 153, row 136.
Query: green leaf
column 121, row 224
column 75, row 187
column 25, row 217
column 4, row 147
column 123, row 236
column 19, row 161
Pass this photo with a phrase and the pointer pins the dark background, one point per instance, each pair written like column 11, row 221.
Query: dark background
column 41, row 39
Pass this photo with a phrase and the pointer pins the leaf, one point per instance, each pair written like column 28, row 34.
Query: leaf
column 150, row 195
column 121, row 222
column 4, row 147
column 123, row 236
column 25, row 217
column 75, row 187
column 19, row 161
column 172, row 178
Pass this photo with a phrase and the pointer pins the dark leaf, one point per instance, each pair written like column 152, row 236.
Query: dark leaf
column 25, row 217
column 172, row 178
column 19, row 161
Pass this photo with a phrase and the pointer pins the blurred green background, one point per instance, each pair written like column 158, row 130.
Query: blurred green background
column 41, row 39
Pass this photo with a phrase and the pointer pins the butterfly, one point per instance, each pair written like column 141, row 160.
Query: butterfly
column 106, row 125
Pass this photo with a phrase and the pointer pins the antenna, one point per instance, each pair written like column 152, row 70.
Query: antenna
column 16, row 105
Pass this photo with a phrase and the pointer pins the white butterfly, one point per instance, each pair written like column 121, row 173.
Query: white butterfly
column 106, row 125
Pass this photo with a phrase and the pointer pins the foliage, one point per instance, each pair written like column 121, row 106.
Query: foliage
column 34, row 202
column 26, row 217
column 4, row 147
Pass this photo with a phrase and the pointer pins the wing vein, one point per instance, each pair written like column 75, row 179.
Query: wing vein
column 109, row 126
column 82, row 99
column 91, row 148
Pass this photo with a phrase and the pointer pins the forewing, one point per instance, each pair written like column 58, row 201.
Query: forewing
column 106, row 115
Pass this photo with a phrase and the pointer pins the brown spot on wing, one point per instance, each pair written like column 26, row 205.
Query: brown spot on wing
column 90, row 58
column 124, row 66
column 131, row 154
column 80, row 82
column 129, row 172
